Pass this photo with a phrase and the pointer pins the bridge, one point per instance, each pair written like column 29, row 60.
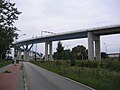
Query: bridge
column 93, row 35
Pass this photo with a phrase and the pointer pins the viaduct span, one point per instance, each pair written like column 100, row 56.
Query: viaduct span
column 92, row 34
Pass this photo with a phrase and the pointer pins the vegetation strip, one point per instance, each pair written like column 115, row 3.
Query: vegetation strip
column 4, row 63
column 98, row 77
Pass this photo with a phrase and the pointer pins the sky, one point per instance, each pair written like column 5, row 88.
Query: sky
column 60, row 16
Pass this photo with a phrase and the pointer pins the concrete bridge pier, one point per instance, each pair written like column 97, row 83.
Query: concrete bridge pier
column 26, row 51
column 19, row 55
column 46, row 51
column 90, row 46
column 97, row 48
column 26, row 55
column 91, row 39
column 50, row 50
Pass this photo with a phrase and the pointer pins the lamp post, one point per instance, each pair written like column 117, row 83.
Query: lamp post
column 19, row 36
column 105, row 49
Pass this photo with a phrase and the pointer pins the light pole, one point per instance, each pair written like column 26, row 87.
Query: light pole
column 19, row 36
column 46, row 32
column 105, row 49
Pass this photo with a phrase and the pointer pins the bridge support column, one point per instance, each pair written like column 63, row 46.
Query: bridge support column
column 19, row 55
column 91, row 39
column 46, row 51
column 26, row 51
column 97, row 48
column 26, row 55
column 50, row 50
column 90, row 46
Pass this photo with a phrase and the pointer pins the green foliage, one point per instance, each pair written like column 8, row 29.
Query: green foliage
column 8, row 15
column 79, row 52
column 73, row 62
column 110, row 64
column 60, row 48
column 104, row 55
column 91, row 64
column 4, row 63
column 59, row 53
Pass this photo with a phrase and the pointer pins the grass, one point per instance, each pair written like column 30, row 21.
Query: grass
column 21, row 67
column 4, row 63
column 96, row 77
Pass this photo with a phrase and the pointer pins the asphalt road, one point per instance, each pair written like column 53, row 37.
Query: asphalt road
column 42, row 79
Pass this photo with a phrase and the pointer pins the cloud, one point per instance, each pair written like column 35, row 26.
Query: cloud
column 69, row 12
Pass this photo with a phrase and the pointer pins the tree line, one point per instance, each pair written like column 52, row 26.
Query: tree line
column 77, row 53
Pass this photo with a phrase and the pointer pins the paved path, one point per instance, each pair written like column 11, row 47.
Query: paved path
column 42, row 79
column 13, row 80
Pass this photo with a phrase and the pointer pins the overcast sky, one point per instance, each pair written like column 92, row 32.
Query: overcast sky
column 68, row 15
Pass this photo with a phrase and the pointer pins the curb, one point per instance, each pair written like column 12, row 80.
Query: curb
column 24, row 79
column 76, row 82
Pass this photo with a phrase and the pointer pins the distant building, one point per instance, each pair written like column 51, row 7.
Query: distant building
column 114, row 55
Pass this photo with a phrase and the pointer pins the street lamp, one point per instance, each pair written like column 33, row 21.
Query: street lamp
column 46, row 32
column 20, row 36
column 105, row 49
column 17, row 37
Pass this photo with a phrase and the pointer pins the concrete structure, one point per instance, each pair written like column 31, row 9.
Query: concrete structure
column 48, row 45
column 19, row 55
column 92, row 34
column 32, row 55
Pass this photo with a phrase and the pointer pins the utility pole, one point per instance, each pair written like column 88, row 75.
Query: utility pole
column 105, row 49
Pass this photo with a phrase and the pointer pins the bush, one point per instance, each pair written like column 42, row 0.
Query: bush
column 4, row 63
column 110, row 64
column 91, row 64
column 73, row 62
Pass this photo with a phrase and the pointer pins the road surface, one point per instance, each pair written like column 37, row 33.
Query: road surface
column 42, row 79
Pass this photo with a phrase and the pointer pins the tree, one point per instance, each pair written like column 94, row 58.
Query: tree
column 8, row 15
column 60, row 48
column 79, row 52
column 66, row 54
column 59, row 54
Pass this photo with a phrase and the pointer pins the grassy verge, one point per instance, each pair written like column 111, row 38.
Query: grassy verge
column 4, row 63
column 98, row 78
